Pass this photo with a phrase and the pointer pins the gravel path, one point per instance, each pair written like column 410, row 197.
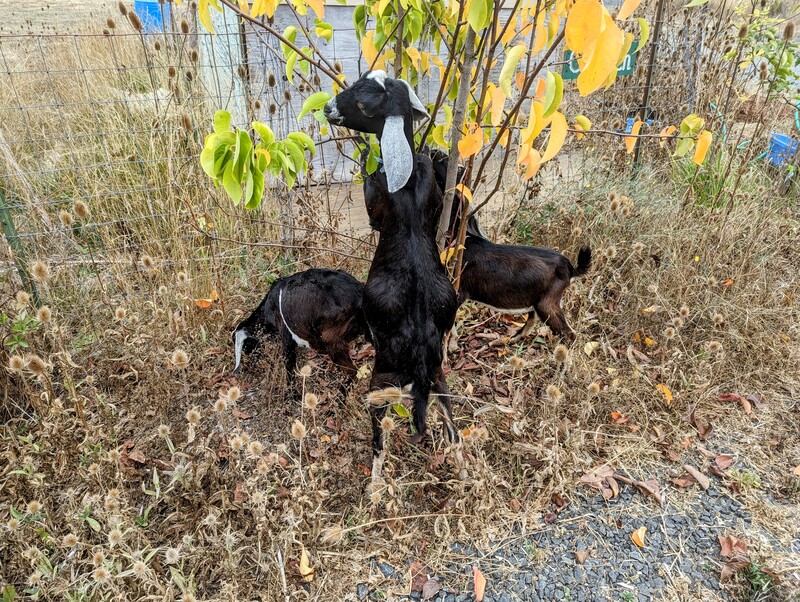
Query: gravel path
column 681, row 553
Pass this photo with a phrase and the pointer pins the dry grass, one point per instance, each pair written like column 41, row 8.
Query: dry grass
column 132, row 471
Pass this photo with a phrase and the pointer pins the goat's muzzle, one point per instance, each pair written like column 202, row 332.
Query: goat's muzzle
column 331, row 112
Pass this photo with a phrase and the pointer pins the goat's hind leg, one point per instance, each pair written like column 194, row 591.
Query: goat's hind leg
column 442, row 392
column 526, row 329
column 549, row 310
column 377, row 412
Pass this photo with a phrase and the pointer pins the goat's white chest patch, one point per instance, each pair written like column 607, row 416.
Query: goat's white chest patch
column 297, row 339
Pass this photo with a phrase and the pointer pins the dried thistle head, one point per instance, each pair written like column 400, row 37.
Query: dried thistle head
column 310, row 401
column 593, row 388
column 110, row 23
column 711, row 281
column 331, row 535
column 516, row 362
column 193, row 416
column 163, row 430
column 36, row 364
column 172, row 556
column 23, row 298
column 101, row 575
column 40, row 271
column 147, row 262
column 256, row 448
column 234, row 394
column 305, row 371
column 184, row 27
column 677, row 322
column 181, row 278
column 577, row 232
column 65, row 217
column 299, row 430
column 221, row 404
column 637, row 247
column 114, row 537
column 742, row 32
column 684, row 311
column 554, row 393
column 561, row 353
column 235, row 443
column 719, row 320
column 122, row 9
column 714, row 346
column 788, row 31
column 34, row 507
column 98, row 557
column 70, row 540
column 271, row 81
column 180, row 359
column 611, row 252
column 387, row 424
column 16, row 363
column 669, row 332
column 80, row 209
column 120, row 313
column 139, row 569
column 136, row 23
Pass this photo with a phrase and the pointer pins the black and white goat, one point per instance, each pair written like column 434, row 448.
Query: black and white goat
column 409, row 302
column 513, row 279
column 317, row 308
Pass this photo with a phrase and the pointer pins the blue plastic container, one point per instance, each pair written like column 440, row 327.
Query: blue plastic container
column 631, row 121
column 781, row 149
column 154, row 20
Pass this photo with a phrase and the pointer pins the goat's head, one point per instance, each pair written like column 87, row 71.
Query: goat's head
column 247, row 335
column 378, row 104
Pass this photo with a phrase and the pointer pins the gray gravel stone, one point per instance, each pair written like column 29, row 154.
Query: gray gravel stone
column 362, row 591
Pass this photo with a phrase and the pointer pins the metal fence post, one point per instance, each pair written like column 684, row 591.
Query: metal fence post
column 649, row 79
column 16, row 248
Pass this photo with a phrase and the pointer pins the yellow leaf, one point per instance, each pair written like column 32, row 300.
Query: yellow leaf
column 243, row 6
column 438, row 136
column 638, row 536
column 267, row 156
column 584, row 24
column 627, row 8
column 666, row 133
column 480, row 583
column 510, row 66
column 205, row 15
column 447, row 254
column 472, row 142
column 498, row 102
column 664, row 389
column 504, row 139
column 465, row 191
column 558, row 134
column 306, row 572
column 206, row 303
column 630, row 141
column 603, row 58
column 703, row 142
column 318, row 6
column 425, row 62
column 552, row 27
column 540, row 40
column 414, row 55
column 728, row 282
column 582, row 122
column 368, row 48
column 436, row 61
column 534, row 163
column 511, row 31
column 649, row 342
column 590, row 347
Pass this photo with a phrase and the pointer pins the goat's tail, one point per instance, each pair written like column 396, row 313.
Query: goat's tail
column 584, row 262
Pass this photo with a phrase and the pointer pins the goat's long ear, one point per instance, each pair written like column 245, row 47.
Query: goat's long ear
column 398, row 159
column 239, row 337
column 419, row 110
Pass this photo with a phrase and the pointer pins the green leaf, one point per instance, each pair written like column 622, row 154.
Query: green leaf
column 207, row 156
column 554, row 92
column 245, row 148
column 510, row 67
column 295, row 151
column 93, row 524
column 278, row 158
column 401, row 410
column 248, row 189
column 264, row 132
column 314, row 102
column 222, row 122
column 290, row 66
column 683, row 146
column 480, row 14
column 231, row 184
column 258, row 189
column 290, row 33
column 323, row 30
column 360, row 20
column 305, row 141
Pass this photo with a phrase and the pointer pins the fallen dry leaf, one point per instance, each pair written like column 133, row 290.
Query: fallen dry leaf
column 306, row 572
column 638, row 536
column 480, row 583
column 430, row 589
column 729, row 569
column 730, row 546
column 418, row 576
column 241, row 415
column 684, row 482
column 757, row 399
column 724, row 461
column 664, row 389
column 581, row 556
column 590, row 347
column 649, row 487
column 796, row 470
column 699, row 476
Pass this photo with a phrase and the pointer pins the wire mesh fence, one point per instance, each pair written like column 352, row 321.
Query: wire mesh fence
column 101, row 134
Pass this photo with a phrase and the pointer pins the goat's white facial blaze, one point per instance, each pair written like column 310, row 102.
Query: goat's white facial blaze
column 398, row 160
column 239, row 338
column 416, row 103
column 297, row 339
column 379, row 76
column 332, row 110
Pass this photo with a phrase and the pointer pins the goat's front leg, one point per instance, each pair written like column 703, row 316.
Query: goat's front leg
column 290, row 363
column 452, row 340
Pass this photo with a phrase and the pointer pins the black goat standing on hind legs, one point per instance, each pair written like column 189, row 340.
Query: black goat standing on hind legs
column 409, row 302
